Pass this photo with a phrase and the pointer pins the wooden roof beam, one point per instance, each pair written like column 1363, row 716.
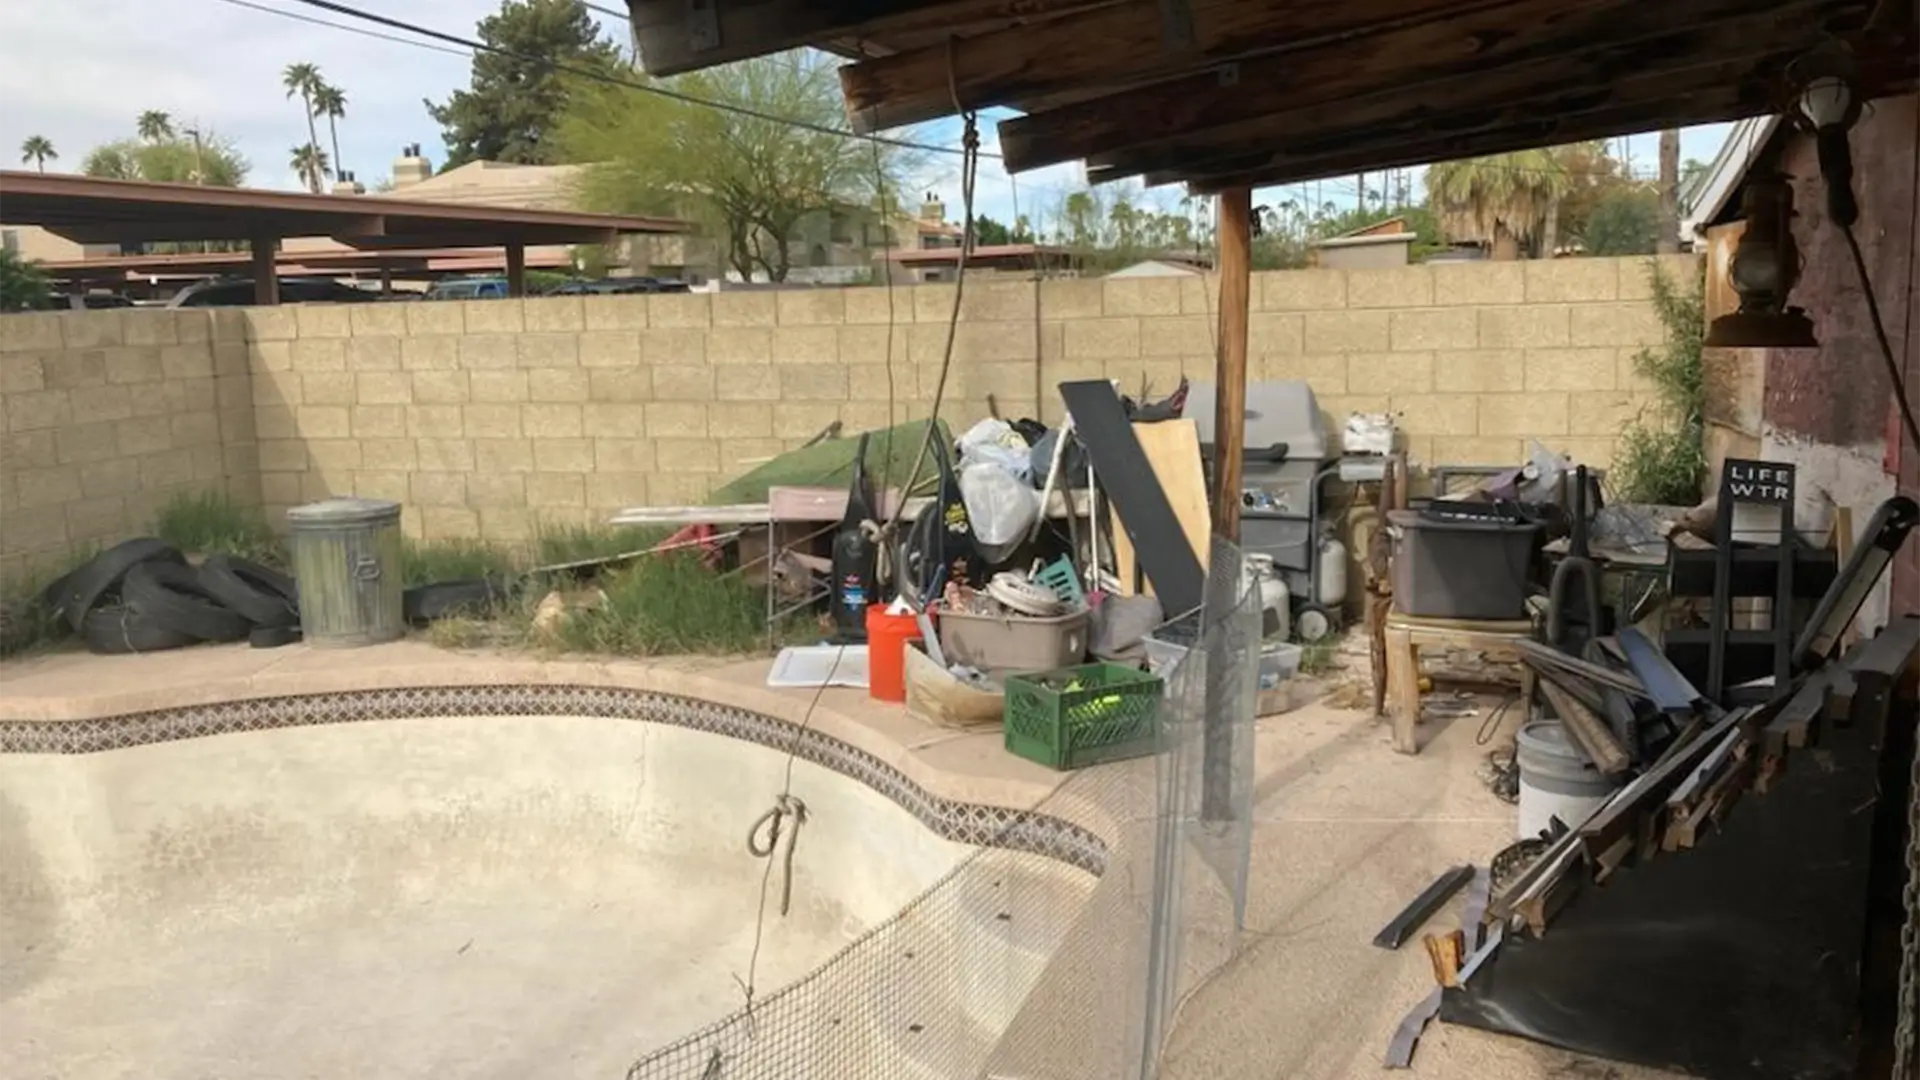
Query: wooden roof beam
column 1456, row 58
column 1473, row 103
column 1112, row 45
column 677, row 36
column 1728, row 101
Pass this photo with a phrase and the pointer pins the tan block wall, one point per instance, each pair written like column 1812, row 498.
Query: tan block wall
column 491, row 419
column 105, row 415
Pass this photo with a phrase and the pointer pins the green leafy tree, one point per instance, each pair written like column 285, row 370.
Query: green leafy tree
column 310, row 163
column 301, row 80
column 515, row 102
column 1504, row 201
column 39, row 150
column 1662, row 456
column 154, row 126
column 22, row 285
column 1625, row 222
column 988, row 232
column 207, row 158
column 1112, row 226
column 746, row 181
column 331, row 102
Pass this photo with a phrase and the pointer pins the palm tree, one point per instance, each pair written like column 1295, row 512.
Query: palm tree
column 331, row 102
column 310, row 162
column 37, row 149
column 303, row 79
column 155, row 126
column 1503, row 201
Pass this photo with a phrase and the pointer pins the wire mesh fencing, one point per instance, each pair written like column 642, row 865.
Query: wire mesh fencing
column 1018, row 963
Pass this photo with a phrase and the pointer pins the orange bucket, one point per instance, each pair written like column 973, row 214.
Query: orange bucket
column 887, row 637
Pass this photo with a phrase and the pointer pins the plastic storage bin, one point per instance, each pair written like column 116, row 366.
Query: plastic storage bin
column 1004, row 644
column 1079, row 716
column 1449, row 568
column 346, row 563
column 1279, row 660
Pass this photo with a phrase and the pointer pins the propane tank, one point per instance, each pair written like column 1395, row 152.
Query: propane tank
column 1275, row 622
column 1333, row 573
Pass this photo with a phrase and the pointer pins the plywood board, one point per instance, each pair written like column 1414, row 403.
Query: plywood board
column 1173, row 449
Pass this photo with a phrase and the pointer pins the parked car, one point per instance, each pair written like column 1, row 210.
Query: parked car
column 469, row 289
column 238, row 292
column 87, row 301
column 616, row 286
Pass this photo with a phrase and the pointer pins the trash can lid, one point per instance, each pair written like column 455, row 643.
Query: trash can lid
column 344, row 511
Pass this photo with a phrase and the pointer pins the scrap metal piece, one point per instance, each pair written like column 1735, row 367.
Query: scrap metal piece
column 1885, row 532
column 1400, row 1047
column 1547, row 658
column 1473, row 917
column 1668, row 689
column 1587, row 730
column 1495, row 936
column 1410, row 919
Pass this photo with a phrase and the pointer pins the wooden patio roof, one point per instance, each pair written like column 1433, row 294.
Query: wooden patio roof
column 1224, row 94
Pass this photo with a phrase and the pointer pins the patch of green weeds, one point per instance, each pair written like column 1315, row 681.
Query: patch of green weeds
column 426, row 562
column 580, row 543
column 666, row 604
column 211, row 521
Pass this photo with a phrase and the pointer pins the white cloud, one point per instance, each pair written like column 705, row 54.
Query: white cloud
column 79, row 72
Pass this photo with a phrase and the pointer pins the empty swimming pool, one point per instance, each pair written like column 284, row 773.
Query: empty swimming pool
column 448, row 895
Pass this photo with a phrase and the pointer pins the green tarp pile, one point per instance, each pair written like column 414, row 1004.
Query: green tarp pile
column 890, row 457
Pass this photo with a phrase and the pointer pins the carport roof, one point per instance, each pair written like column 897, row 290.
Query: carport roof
column 90, row 210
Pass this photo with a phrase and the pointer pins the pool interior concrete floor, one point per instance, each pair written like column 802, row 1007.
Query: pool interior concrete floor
column 1346, row 832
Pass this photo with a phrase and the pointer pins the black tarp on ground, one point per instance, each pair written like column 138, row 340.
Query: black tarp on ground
column 1736, row 960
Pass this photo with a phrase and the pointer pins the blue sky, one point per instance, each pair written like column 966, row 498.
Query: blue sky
column 71, row 71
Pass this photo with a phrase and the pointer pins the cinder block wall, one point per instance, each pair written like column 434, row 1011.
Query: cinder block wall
column 489, row 419
column 107, row 415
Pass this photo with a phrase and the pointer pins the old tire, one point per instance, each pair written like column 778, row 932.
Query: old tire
column 94, row 580
column 273, row 637
column 118, row 630
column 265, row 596
column 173, row 597
column 425, row 603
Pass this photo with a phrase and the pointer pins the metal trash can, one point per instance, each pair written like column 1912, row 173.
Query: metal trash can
column 346, row 564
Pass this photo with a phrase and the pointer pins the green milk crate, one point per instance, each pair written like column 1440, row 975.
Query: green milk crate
column 1079, row 716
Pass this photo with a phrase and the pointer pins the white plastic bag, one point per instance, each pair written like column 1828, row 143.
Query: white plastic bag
column 996, row 442
column 1000, row 506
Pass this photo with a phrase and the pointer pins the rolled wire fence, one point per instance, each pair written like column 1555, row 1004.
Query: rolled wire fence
column 1019, row 964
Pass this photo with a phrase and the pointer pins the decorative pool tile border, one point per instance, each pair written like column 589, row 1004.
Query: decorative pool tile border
column 968, row 823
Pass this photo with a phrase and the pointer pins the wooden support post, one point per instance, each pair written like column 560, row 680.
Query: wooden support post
column 266, row 277
column 386, row 280
column 1235, row 224
column 516, row 269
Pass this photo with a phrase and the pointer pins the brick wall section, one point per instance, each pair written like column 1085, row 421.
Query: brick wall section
column 491, row 418
column 107, row 414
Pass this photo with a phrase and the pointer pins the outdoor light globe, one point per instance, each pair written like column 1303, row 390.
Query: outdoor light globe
column 1755, row 270
column 1826, row 101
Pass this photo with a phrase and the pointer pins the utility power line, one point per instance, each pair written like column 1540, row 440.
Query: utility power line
column 472, row 46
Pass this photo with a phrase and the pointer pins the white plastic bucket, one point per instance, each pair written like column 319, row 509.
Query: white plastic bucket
column 1556, row 779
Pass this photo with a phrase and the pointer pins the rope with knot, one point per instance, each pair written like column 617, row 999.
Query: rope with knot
column 784, row 807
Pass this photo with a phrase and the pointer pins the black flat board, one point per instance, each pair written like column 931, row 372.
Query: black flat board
column 1738, row 959
column 1127, row 478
